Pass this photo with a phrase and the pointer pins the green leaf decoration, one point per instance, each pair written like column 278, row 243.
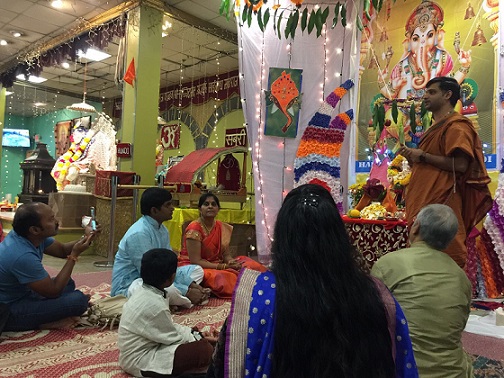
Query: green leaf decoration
column 288, row 25
column 423, row 110
column 400, row 131
column 325, row 14
column 412, row 117
column 266, row 17
column 380, row 5
column 311, row 23
column 304, row 18
column 318, row 21
column 343, row 15
column 275, row 19
column 224, row 8
column 367, row 5
column 375, row 116
column 259, row 19
column 249, row 16
column 278, row 25
column 381, row 115
column 426, row 121
column 375, row 4
column 359, row 24
column 336, row 15
column 294, row 23
column 244, row 14
column 395, row 111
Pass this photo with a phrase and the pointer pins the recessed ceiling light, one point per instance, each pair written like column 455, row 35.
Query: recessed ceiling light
column 31, row 78
column 57, row 4
column 16, row 33
column 93, row 54
column 3, row 42
column 39, row 104
column 65, row 65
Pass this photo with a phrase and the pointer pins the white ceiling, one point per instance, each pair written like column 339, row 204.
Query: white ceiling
column 201, row 40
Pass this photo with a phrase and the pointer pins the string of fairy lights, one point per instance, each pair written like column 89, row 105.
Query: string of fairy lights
column 259, row 116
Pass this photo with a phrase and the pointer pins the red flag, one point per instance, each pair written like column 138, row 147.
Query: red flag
column 130, row 74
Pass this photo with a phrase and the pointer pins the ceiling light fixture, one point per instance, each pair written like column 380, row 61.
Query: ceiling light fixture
column 65, row 65
column 3, row 42
column 16, row 33
column 93, row 54
column 8, row 93
column 57, row 4
column 31, row 78
column 83, row 106
column 39, row 104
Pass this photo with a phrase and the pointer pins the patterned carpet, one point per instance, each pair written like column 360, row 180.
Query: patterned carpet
column 91, row 353
column 85, row 352
column 487, row 368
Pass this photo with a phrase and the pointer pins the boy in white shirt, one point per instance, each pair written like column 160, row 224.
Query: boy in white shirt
column 150, row 343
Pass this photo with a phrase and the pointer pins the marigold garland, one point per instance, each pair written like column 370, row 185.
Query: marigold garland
column 75, row 153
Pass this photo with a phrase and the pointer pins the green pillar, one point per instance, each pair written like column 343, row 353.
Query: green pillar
column 140, row 103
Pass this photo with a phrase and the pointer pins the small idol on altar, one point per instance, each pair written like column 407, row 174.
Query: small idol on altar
column 159, row 156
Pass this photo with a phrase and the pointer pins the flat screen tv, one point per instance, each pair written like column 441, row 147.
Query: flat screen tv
column 16, row 138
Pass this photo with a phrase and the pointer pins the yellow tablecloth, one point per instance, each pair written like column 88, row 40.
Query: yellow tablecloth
column 231, row 216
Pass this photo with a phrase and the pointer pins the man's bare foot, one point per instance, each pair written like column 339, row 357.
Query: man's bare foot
column 197, row 296
column 205, row 290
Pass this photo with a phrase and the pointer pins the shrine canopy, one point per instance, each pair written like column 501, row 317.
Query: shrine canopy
column 186, row 172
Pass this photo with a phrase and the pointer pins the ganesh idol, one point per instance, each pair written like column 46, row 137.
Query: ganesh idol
column 425, row 56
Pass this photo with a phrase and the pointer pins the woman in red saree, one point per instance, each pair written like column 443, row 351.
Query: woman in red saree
column 206, row 243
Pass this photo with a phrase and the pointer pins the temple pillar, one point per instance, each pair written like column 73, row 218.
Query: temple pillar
column 140, row 101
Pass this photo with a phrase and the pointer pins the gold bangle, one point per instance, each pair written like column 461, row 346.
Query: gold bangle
column 72, row 257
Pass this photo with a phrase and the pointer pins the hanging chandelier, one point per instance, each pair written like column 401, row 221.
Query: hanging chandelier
column 83, row 106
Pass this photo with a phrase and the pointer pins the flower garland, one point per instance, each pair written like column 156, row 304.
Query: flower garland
column 356, row 191
column 490, row 248
column 76, row 152
column 317, row 158
column 399, row 173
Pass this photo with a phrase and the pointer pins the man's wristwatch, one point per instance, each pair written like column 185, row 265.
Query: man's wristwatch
column 423, row 157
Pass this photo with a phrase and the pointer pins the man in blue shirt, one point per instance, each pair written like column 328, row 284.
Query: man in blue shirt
column 33, row 297
column 149, row 233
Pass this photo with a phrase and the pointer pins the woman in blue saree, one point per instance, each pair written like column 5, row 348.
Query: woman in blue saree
column 315, row 314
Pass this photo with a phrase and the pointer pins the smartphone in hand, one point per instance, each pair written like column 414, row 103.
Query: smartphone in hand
column 93, row 218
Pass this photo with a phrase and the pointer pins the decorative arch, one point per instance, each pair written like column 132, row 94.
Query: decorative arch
column 201, row 136
column 227, row 106
column 186, row 118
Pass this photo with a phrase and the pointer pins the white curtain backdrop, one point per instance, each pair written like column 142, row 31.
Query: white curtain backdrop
column 326, row 62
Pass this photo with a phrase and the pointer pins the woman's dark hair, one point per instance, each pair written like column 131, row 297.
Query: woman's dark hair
column 205, row 196
column 330, row 319
column 153, row 197
column 158, row 265
column 26, row 216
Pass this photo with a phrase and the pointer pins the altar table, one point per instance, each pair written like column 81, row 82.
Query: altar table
column 375, row 238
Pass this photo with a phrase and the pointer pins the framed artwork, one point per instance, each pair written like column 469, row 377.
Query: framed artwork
column 62, row 132
column 282, row 102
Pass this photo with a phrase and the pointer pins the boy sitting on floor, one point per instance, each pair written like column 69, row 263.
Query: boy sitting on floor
column 150, row 343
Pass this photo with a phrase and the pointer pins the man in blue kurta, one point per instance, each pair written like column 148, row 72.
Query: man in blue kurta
column 149, row 233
